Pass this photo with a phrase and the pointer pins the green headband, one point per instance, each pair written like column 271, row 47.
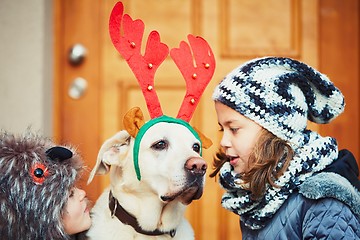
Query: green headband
column 149, row 124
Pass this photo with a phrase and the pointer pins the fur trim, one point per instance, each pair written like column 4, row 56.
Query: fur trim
column 325, row 184
column 31, row 203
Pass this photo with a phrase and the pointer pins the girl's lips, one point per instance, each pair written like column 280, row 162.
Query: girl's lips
column 233, row 160
column 86, row 208
column 87, row 211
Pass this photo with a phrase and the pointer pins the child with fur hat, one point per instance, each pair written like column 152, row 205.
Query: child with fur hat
column 38, row 196
column 284, row 180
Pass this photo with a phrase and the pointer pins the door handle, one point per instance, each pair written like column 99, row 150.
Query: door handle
column 77, row 54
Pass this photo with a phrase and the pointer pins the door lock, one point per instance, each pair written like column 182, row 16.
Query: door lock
column 78, row 88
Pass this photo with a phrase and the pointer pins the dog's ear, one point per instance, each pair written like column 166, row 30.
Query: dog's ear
column 110, row 153
column 133, row 121
column 206, row 142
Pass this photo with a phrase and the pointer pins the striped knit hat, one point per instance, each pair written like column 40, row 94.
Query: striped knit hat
column 280, row 94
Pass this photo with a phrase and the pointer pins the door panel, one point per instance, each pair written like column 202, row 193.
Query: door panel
column 77, row 120
column 237, row 30
column 279, row 36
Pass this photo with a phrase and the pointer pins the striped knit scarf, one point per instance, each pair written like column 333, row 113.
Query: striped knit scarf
column 312, row 154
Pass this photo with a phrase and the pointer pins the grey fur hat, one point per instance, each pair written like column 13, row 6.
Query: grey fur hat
column 35, row 178
column 280, row 94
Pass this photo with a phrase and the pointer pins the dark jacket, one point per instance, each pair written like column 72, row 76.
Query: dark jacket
column 326, row 206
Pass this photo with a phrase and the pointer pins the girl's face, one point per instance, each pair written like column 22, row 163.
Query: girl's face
column 76, row 217
column 239, row 136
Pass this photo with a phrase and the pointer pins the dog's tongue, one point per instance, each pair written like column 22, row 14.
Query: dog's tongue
column 190, row 194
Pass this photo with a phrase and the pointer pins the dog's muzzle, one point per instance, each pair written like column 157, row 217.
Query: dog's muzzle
column 193, row 188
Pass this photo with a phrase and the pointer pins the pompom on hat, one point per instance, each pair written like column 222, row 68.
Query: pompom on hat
column 36, row 177
column 280, row 94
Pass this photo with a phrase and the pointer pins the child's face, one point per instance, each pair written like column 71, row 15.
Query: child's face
column 239, row 136
column 76, row 217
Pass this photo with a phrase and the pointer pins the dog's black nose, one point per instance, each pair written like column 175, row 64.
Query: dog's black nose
column 196, row 166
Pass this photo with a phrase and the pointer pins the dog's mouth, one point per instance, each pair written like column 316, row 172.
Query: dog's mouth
column 186, row 195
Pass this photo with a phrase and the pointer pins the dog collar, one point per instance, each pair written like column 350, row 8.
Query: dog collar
column 125, row 217
column 151, row 123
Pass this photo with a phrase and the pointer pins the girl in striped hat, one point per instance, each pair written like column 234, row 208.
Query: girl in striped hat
column 284, row 180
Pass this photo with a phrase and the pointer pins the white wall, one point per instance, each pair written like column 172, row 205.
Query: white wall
column 26, row 65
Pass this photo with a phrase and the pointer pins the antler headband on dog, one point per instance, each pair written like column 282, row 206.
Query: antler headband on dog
column 195, row 62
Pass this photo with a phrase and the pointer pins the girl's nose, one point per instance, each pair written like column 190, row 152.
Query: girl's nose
column 225, row 142
column 81, row 193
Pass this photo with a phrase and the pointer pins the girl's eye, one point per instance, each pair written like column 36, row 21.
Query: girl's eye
column 234, row 130
column 160, row 145
column 72, row 193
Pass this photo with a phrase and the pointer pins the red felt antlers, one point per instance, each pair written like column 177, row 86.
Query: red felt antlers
column 196, row 62
column 197, row 73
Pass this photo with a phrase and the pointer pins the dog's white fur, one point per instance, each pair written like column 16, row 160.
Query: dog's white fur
column 163, row 174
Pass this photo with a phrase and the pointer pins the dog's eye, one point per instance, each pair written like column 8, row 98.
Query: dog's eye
column 160, row 145
column 196, row 147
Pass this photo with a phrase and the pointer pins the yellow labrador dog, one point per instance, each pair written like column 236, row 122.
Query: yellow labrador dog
column 172, row 176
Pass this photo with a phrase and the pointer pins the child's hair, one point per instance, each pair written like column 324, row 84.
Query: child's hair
column 268, row 161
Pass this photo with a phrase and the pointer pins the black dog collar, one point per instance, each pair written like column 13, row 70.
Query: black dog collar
column 117, row 210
